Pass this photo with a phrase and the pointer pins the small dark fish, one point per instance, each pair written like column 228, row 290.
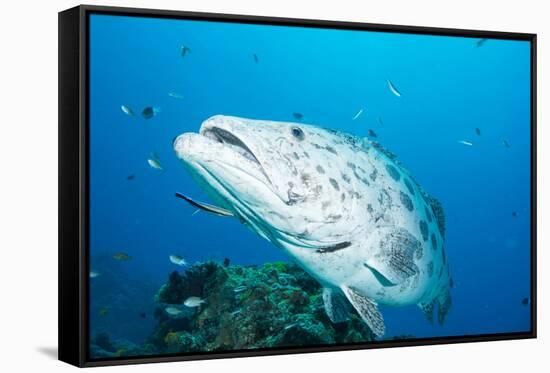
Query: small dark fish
column 226, row 262
column 372, row 133
column 525, row 301
column 481, row 42
column 478, row 131
column 130, row 177
column 514, row 214
column 380, row 120
column 143, row 315
column 256, row 58
column 103, row 311
column 506, row 143
column 184, row 50
column 149, row 112
column 298, row 116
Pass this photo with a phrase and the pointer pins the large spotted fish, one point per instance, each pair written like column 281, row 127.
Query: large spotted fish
column 342, row 207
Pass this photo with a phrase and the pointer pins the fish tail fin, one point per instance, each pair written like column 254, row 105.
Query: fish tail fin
column 444, row 302
column 428, row 310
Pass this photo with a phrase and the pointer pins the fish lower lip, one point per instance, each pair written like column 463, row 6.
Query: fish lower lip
column 226, row 137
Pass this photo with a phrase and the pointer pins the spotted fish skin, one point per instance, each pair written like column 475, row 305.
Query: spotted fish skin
column 341, row 206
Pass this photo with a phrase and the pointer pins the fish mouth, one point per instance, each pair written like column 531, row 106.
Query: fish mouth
column 227, row 138
column 233, row 142
column 227, row 159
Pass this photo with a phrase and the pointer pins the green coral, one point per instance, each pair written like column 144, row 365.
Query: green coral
column 273, row 305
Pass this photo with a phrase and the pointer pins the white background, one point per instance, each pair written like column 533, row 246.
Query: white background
column 28, row 184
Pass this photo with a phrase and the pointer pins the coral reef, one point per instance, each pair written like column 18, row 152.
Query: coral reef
column 274, row 305
column 246, row 307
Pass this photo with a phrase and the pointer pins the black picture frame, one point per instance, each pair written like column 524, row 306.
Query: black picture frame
column 74, row 176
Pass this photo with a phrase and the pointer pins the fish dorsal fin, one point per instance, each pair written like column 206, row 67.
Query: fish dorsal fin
column 336, row 305
column 205, row 206
column 391, row 155
column 438, row 211
column 367, row 309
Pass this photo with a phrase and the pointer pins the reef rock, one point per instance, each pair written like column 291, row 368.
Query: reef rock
column 247, row 307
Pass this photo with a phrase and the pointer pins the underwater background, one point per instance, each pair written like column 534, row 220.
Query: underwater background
column 460, row 125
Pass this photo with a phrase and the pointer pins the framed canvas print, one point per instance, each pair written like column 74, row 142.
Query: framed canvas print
column 237, row 186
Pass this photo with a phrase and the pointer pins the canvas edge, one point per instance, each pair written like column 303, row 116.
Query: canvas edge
column 69, row 190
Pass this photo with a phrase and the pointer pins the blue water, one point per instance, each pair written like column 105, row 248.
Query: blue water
column 449, row 87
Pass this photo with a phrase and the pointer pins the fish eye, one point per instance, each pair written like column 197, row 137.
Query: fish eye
column 298, row 133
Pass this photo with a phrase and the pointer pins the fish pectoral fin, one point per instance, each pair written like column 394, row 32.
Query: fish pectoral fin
column 395, row 260
column 205, row 206
column 367, row 309
column 336, row 305
column 383, row 280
